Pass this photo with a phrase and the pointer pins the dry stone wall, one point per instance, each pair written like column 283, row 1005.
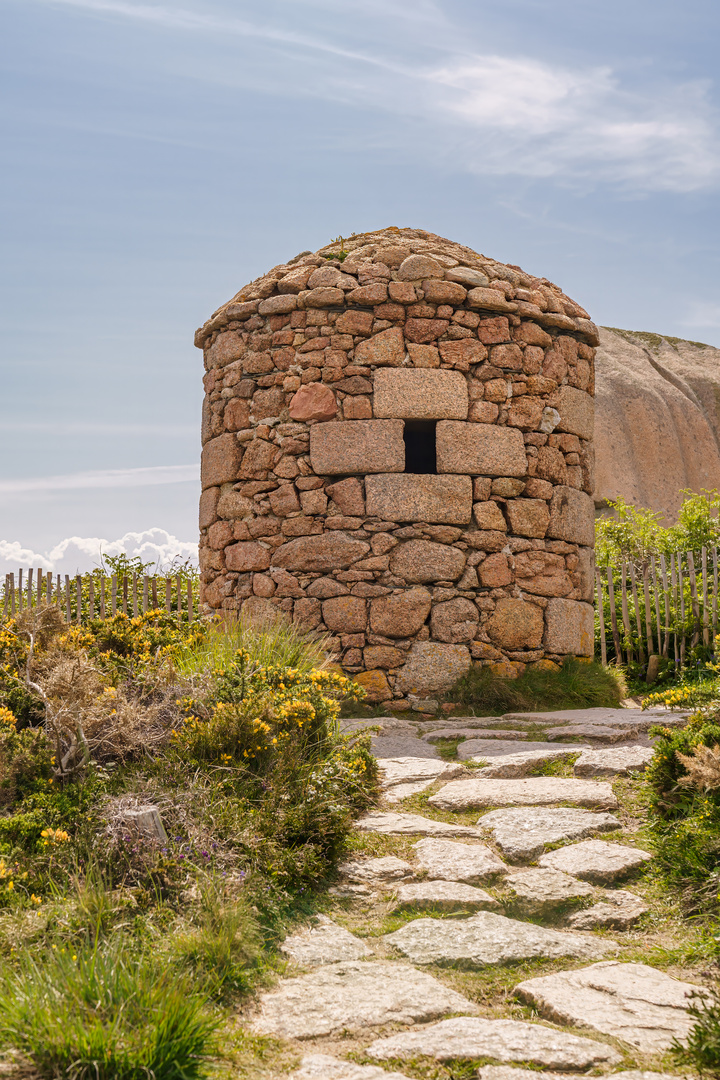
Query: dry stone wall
column 397, row 450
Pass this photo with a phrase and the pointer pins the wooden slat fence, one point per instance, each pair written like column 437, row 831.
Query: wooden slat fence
column 664, row 604
column 90, row 596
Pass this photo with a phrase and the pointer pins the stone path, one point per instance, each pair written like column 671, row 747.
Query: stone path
column 496, row 858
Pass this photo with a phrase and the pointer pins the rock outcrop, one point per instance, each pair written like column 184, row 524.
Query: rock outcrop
column 657, row 419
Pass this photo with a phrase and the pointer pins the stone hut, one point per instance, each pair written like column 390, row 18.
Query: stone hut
column 397, row 450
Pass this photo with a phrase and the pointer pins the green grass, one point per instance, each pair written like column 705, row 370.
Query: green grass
column 278, row 643
column 575, row 685
column 105, row 1013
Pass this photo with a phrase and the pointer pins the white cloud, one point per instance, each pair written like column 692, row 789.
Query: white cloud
column 100, row 478
column 486, row 113
column 78, row 554
column 703, row 313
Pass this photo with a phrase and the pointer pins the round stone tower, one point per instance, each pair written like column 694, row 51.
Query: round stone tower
column 398, row 451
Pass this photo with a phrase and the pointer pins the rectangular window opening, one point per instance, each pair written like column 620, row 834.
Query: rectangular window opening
column 419, row 438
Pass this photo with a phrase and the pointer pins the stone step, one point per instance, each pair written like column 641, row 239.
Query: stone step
column 400, row 746
column 522, row 833
column 497, row 748
column 618, row 910
column 473, row 733
column 403, row 776
column 633, row 1002
column 615, row 761
column 522, row 763
column 487, row 938
column 449, row 897
column 540, row 893
column 324, row 1067
column 535, row 791
column 394, row 824
column 324, row 943
column 595, row 860
column 446, row 860
column 353, row 996
column 641, row 719
column 381, row 871
column 465, row 1037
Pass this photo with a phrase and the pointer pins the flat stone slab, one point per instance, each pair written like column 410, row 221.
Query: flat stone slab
column 500, row 747
column 533, row 791
column 324, row 943
column 398, row 746
column 446, row 860
column 595, row 860
column 522, row 763
column 501, row 1040
column 445, row 896
column 633, row 1002
column 507, row 1072
column 521, row 834
column 599, row 732
column 403, row 769
column 407, row 775
column 472, row 733
column 354, row 995
column 542, row 892
column 393, row 824
column 640, row 718
column 487, row 938
column 324, row 1067
column 615, row 761
column 616, row 911
column 376, row 871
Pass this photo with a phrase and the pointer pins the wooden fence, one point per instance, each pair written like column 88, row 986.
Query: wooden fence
column 98, row 595
column 648, row 606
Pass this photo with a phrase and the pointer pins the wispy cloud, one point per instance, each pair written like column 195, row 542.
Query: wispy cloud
column 486, row 113
column 84, row 427
column 101, row 478
column 703, row 314
column 78, row 554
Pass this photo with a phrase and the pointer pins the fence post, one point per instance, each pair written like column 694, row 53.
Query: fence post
column 168, row 595
column 715, row 593
column 146, row 582
column 656, row 595
column 629, row 653
column 125, row 594
column 636, row 602
column 601, row 616
column 78, row 597
column 190, row 601
column 613, row 617
column 705, row 612
column 694, row 600
column 648, row 609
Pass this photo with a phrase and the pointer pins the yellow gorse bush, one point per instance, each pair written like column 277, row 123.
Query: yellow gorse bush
column 7, row 719
column 259, row 711
column 53, row 837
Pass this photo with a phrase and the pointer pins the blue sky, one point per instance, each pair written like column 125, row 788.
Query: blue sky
column 160, row 155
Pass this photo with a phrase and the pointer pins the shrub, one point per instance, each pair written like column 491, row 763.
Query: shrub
column 685, row 810
column 575, row 684
column 103, row 1013
column 702, row 1046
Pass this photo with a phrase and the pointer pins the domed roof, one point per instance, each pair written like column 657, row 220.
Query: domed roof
column 391, row 248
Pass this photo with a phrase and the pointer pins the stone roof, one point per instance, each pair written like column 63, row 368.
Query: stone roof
column 356, row 262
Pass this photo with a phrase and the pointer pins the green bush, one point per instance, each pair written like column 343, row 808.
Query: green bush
column 702, row 1046
column 576, row 684
column 104, row 1014
column 668, row 797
